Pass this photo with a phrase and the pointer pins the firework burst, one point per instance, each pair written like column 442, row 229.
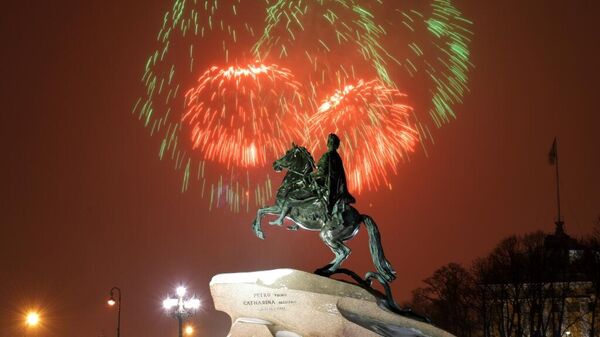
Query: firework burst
column 197, row 35
column 244, row 116
column 222, row 131
column 376, row 127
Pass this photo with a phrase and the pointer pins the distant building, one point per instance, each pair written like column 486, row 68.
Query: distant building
column 546, row 288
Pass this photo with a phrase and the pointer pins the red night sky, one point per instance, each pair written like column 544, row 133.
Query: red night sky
column 87, row 205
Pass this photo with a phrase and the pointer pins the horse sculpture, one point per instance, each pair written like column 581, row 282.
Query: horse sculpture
column 301, row 200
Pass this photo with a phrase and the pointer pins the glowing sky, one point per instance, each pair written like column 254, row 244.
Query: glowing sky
column 86, row 205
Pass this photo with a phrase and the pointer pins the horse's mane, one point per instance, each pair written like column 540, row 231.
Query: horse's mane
column 308, row 156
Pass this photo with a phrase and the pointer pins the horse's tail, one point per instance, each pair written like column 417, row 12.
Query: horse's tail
column 383, row 266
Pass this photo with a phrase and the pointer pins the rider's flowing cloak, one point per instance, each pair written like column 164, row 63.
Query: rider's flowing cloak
column 331, row 169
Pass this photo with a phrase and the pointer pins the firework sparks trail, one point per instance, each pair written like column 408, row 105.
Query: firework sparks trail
column 321, row 31
column 327, row 43
column 244, row 116
column 436, row 54
column 451, row 34
column 375, row 126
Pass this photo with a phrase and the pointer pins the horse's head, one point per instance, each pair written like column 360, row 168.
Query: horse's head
column 297, row 159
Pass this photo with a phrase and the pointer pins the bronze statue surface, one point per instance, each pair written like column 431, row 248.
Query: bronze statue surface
column 319, row 200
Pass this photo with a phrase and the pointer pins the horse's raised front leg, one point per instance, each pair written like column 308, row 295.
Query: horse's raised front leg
column 256, row 224
column 284, row 212
column 259, row 214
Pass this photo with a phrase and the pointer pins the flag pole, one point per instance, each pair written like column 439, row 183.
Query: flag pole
column 559, row 222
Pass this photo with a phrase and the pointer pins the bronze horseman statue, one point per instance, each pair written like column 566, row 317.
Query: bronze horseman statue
column 320, row 201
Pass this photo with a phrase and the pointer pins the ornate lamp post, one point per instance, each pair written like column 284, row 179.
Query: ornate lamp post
column 111, row 301
column 181, row 307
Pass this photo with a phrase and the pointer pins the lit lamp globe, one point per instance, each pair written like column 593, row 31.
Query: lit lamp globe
column 32, row 319
column 192, row 304
column 180, row 291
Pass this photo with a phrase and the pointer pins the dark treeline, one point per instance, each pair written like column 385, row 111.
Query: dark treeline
column 535, row 285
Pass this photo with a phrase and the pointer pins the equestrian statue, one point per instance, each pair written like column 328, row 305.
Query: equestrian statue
column 319, row 200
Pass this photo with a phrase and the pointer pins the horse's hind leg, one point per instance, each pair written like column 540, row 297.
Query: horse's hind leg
column 337, row 246
column 343, row 252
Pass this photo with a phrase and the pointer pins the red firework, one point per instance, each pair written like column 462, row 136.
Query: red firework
column 374, row 127
column 244, row 116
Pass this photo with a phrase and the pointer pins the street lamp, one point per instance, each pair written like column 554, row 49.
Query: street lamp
column 189, row 330
column 32, row 319
column 111, row 301
column 181, row 307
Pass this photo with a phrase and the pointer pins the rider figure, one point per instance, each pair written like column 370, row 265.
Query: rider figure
column 331, row 176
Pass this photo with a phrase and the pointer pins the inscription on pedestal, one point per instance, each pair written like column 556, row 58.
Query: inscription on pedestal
column 265, row 301
column 292, row 303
